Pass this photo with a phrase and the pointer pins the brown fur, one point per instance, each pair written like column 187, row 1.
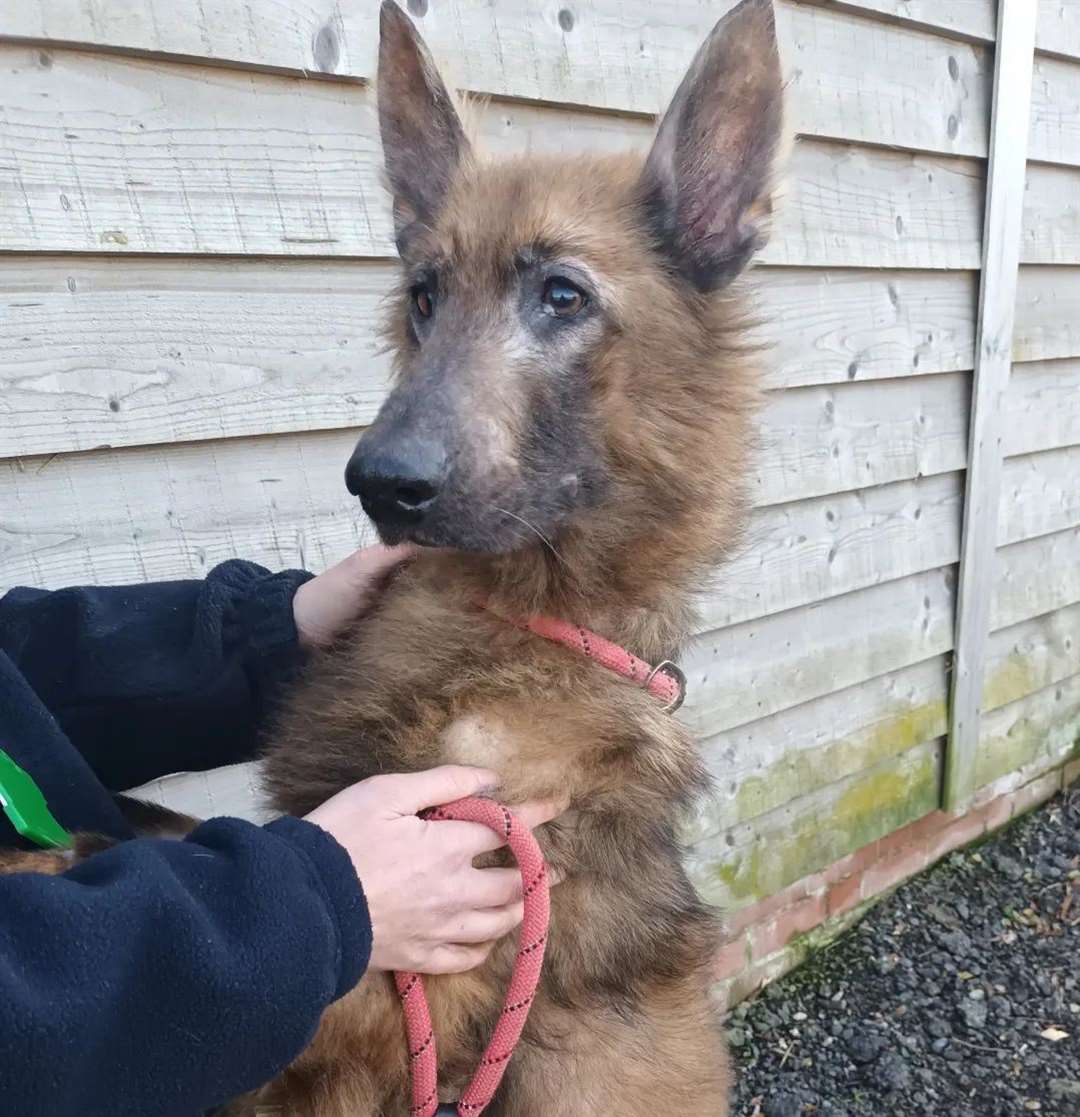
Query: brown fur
column 657, row 428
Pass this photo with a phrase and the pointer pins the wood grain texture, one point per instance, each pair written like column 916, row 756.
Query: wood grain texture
column 1055, row 111
column 821, row 440
column 98, row 351
column 749, row 671
column 1051, row 230
column 975, row 19
column 993, row 354
column 1033, row 654
column 762, row 765
column 831, row 326
column 1039, row 494
column 1047, row 314
column 1042, row 407
column 1058, row 29
column 796, row 554
column 851, row 78
column 134, row 351
column 136, row 156
column 1036, row 576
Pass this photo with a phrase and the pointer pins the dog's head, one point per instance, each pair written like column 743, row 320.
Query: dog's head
column 556, row 334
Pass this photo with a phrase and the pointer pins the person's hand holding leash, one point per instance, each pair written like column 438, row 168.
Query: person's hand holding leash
column 431, row 910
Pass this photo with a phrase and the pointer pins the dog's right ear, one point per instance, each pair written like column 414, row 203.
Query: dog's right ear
column 422, row 137
column 707, row 183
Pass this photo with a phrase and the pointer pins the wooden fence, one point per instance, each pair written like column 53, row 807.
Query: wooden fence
column 194, row 244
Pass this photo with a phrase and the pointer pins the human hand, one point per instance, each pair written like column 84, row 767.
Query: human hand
column 431, row 910
column 326, row 605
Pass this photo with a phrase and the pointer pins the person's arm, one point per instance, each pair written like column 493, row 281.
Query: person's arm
column 167, row 977
column 174, row 676
column 158, row 678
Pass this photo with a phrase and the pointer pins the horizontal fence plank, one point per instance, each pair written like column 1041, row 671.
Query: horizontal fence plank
column 1033, row 654
column 736, row 865
column 834, row 325
column 1055, row 111
column 976, row 19
column 749, row 671
column 795, row 554
column 98, row 351
column 1036, row 576
column 146, row 157
column 1058, row 29
column 759, row 767
column 134, row 351
column 1047, row 314
column 1039, row 494
column 851, row 78
column 136, row 515
column 1051, row 230
column 1040, row 730
column 816, row 441
column 1042, row 406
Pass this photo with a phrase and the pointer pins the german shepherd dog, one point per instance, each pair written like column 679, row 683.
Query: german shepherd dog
column 568, row 437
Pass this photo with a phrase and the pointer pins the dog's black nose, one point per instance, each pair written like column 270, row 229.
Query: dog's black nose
column 393, row 491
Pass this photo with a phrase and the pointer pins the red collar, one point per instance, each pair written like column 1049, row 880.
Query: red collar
column 665, row 681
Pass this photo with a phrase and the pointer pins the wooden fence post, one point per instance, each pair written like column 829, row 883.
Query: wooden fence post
column 1013, row 67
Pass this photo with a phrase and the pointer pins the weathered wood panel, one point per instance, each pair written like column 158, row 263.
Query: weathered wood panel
column 735, row 865
column 1042, row 406
column 1055, row 111
column 795, row 554
column 851, row 78
column 1039, row 494
column 1059, row 27
column 762, row 765
column 752, row 670
column 1033, row 654
column 830, row 439
column 1036, row 576
column 1051, row 216
column 976, row 19
column 1047, row 314
column 136, row 515
column 834, row 325
column 147, row 157
column 98, row 351
column 997, row 302
column 1039, row 730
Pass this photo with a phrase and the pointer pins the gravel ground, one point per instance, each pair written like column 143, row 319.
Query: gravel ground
column 958, row 996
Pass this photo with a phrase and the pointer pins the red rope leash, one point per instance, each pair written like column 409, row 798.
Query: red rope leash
column 523, row 980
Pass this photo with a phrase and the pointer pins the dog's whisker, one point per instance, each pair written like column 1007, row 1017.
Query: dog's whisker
column 535, row 530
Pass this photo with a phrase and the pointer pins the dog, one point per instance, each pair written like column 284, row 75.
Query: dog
column 567, row 437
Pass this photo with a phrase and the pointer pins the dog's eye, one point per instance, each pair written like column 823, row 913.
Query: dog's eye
column 423, row 301
column 562, row 298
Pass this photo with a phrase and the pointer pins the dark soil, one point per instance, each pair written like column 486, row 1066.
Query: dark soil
column 942, row 1000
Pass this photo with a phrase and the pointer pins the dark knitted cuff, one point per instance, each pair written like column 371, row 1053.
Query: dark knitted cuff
column 343, row 892
column 265, row 614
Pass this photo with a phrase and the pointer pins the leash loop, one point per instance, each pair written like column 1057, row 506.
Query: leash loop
column 532, row 942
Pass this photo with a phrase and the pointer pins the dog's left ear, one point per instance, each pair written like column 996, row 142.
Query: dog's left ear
column 422, row 137
column 707, row 181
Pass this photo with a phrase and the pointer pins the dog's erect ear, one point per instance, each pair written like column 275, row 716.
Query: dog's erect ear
column 422, row 137
column 707, row 182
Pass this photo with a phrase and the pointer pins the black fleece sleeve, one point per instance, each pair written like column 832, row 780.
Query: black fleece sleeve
column 166, row 977
column 158, row 678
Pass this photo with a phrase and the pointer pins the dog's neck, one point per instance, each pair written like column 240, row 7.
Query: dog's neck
column 638, row 593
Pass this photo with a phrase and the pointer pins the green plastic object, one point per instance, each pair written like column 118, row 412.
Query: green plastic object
column 25, row 806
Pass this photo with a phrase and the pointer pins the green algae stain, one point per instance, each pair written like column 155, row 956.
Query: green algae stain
column 898, row 792
column 804, row 772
